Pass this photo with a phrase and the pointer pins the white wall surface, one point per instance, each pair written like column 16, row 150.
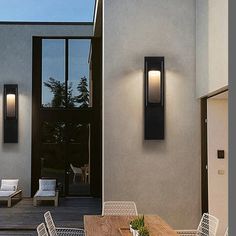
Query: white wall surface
column 16, row 67
column 162, row 177
column 217, row 116
column 211, row 46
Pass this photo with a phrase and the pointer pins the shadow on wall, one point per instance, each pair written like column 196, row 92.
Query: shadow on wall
column 10, row 147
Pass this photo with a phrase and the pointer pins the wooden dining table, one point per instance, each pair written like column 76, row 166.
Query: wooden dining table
column 97, row 225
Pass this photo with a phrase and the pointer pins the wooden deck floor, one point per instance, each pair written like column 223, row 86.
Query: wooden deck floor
column 18, row 233
column 23, row 217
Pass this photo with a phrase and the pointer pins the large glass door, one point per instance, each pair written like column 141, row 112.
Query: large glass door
column 78, row 162
column 52, row 152
column 65, row 155
column 66, row 142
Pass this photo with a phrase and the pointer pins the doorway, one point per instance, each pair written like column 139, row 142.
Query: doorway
column 217, row 139
column 215, row 157
column 66, row 119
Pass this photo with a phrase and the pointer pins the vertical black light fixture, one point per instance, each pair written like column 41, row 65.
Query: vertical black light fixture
column 10, row 101
column 154, row 98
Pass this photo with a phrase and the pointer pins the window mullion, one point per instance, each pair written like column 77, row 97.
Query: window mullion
column 66, row 72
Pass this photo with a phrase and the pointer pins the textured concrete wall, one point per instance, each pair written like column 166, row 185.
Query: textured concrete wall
column 16, row 67
column 202, row 45
column 162, row 177
column 211, row 46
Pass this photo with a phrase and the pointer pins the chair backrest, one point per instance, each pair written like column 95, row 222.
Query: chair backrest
column 76, row 170
column 9, row 184
column 47, row 184
column 208, row 225
column 50, row 224
column 226, row 232
column 41, row 230
column 119, row 208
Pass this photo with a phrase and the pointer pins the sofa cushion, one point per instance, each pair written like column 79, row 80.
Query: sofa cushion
column 47, row 184
column 7, row 187
column 45, row 193
column 9, row 184
column 6, row 193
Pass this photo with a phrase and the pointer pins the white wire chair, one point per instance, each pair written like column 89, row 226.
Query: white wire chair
column 207, row 227
column 76, row 171
column 226, row 232
column 117, row 208
column 41, row 230
column 55, row 231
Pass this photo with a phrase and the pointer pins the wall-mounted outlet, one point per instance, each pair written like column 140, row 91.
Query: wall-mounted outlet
column 221, row 172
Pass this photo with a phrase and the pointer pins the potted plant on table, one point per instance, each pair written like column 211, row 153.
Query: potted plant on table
column 136, row 224
column 143, row 231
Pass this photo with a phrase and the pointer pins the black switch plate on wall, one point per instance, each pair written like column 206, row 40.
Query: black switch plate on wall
column 220, row 154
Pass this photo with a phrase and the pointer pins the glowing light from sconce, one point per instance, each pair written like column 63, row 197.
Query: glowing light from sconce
column 154, row 86
column 11, row 105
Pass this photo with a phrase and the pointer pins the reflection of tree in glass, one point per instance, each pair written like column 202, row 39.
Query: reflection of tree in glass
column 78, row 136
column 66, row 132
column 58, row 90
column 83, row 97
column 59, row 95
column 53, row 132
column 73, row 133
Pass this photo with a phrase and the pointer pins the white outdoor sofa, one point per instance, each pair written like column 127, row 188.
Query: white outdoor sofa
column 9, row 190
column 47, row 191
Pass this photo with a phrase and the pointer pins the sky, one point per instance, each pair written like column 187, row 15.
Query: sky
column 47, row 10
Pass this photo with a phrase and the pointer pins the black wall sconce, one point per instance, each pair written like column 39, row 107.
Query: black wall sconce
column 154, row 98
column 10, row 101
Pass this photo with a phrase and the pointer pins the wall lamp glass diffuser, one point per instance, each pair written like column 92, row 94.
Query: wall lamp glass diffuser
column 10, row 113
column 154, row 86
column 11, row 105
column 154, row 97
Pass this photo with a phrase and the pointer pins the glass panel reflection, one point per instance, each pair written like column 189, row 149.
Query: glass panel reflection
column 53, row 164
column 53, row 132
column 53, row 73
column 66, row 155
column 79, row 73
column 79, row 159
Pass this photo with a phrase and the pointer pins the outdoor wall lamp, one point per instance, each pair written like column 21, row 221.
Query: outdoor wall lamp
column 154, row 98
column 10, row 100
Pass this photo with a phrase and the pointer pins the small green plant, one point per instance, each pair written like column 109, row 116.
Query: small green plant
column 143, row 231
column 137, row 223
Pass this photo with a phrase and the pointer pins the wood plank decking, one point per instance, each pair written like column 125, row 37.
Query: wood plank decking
column 23, row 216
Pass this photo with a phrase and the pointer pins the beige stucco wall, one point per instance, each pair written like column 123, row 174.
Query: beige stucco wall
column 162, row 177
column 16, row 67
column 211, row 46
column 217, row 122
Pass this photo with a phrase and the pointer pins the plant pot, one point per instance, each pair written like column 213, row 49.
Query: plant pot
column 134, row 232
column 130, row 228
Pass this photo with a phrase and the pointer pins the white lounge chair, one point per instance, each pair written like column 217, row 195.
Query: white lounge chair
column 9, row 190
column 47, row 191
column 55, row 231
column 41, row 230
column 207, row 227
column 119, row 208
